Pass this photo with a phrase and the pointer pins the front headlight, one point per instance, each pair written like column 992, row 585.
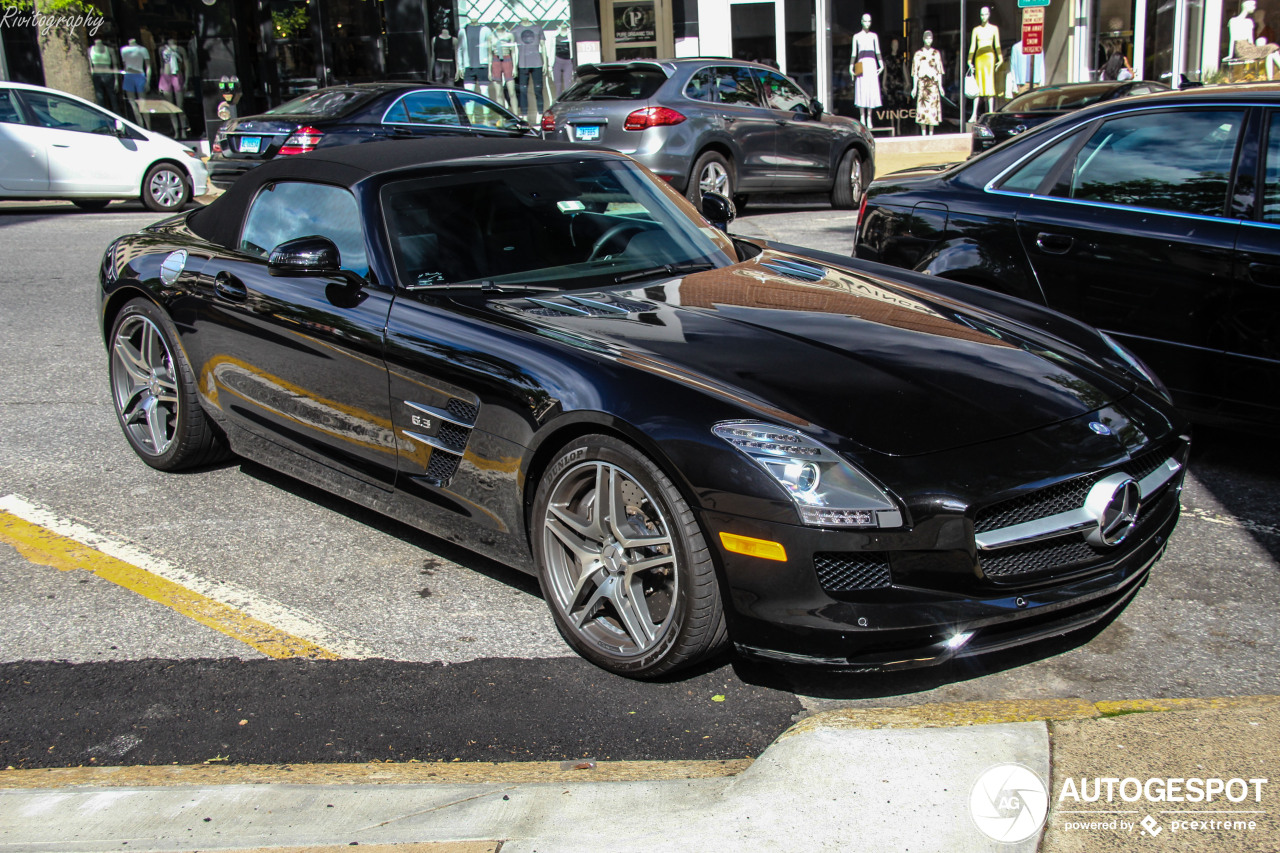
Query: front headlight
column 827, row 490
column 983, row 132
column 1136, row 365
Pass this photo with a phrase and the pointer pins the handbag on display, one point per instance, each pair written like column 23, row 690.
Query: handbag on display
column 970, row 85
column 857, row 68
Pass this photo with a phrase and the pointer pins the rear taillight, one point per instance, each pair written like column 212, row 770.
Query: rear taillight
column 548, row 123
column 301, row 141
column 652, row 117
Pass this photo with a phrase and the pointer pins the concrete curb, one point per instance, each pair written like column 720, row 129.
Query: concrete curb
column 1011, row 711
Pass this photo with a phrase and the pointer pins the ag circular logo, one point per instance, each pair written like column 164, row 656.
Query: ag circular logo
column 1009, row 803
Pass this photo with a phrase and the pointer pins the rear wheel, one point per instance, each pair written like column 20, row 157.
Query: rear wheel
column 91, row 203
column 165, row 188
column 154, row 391
column 846, row 193
column 623, row 563
column 711, row 173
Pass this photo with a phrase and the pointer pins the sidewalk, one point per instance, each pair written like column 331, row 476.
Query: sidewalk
column 874, row 780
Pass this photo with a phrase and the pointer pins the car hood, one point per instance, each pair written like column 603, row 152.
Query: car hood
column 895, row 369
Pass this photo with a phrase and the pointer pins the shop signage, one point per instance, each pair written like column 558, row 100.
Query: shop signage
column 1022, row 4
column 1032, row 30
column 634, row 22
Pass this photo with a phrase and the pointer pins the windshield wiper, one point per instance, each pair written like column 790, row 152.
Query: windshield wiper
column 668, row 269
column 491, row 287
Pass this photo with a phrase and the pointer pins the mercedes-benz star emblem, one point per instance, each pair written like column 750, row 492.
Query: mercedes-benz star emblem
column 1114, row 502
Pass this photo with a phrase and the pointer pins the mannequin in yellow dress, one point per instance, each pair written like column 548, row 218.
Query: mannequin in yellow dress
column 984, row 56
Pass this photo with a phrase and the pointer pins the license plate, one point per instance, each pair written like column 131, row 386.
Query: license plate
column 250, row 144
column 588, row 132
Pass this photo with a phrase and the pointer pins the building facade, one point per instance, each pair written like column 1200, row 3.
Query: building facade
column 260, row 53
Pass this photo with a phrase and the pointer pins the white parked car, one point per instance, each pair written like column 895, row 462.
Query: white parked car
column 55, row 145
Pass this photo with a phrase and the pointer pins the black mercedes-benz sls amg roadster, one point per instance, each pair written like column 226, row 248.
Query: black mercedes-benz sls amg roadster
column 543, row 353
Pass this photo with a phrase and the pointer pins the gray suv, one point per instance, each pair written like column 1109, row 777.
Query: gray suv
column 717, row 124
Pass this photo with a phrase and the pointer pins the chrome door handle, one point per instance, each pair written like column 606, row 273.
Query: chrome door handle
column 229, row 287
column 1054, row 244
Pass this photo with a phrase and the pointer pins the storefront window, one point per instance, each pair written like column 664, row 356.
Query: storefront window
column 801, row 45
column 355, row 45
column 524, row 53
column 291, row 48
column 1113, row 35
column 754, row 32
column 1175, row 32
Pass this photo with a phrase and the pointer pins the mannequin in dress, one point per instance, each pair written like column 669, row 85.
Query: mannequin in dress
column 173, row 78
column 926, row 85
column 1240, row 43
column 867, row 59
column 984, row 56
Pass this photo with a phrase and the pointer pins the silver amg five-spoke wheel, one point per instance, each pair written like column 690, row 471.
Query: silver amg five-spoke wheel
column 611, row 561
column 623, row 562
column 144, row 385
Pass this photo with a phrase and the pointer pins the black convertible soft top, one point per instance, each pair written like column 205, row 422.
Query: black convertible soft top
column 347, row 165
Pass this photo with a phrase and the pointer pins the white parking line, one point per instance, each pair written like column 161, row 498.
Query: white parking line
column 273, row 613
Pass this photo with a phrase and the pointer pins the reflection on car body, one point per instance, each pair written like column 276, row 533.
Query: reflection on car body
column 539, row 351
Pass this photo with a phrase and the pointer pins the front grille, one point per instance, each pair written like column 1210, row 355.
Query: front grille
column 441, row 466
column 1037, row 557
column 1061, row 497
column 1073, row 553
column 852, row 571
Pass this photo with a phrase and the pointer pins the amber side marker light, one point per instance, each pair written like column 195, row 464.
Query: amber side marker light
column 762, row 548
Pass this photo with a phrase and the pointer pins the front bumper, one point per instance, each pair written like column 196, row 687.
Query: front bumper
column 923, row 596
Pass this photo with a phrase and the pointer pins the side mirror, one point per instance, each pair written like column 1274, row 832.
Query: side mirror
column 816, row 109
column 309, row 256
column 718, row 209
column 120, row 130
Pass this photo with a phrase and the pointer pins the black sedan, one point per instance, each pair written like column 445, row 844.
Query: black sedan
column 1154, row 218
column 359, row 112
column 1034, row 108
column 542, row 352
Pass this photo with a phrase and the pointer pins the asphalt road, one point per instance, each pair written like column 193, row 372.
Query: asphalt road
column 446, row 655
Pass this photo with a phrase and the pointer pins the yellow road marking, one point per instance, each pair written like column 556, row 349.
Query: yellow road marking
column 45, row 548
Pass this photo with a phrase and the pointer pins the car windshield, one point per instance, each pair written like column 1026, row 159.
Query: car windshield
column 1052, row 98
column 329, row 103
column 616, row 84
column 553, row 222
